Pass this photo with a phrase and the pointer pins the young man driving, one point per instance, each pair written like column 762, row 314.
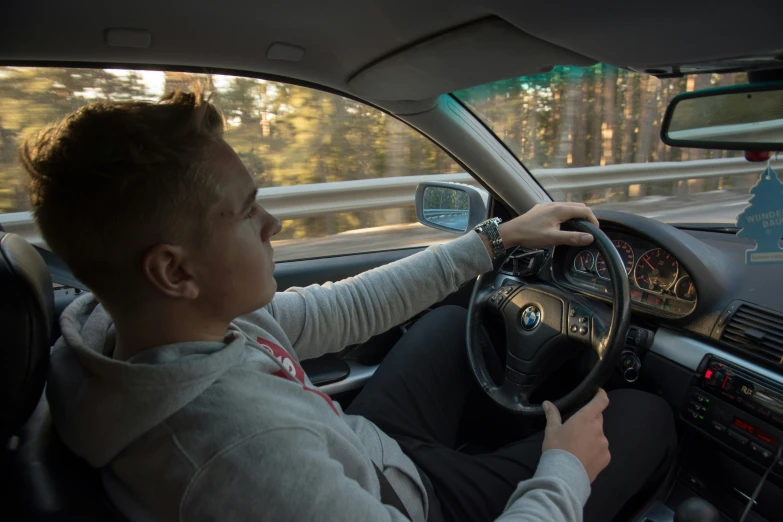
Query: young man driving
column 179, row 375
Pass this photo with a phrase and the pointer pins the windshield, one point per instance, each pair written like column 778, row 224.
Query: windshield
column 593, row 135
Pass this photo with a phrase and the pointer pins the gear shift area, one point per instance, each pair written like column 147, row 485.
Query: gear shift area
column 694, row 509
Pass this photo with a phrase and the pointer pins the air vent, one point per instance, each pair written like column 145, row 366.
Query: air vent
column 525, row 262
column 756, row 330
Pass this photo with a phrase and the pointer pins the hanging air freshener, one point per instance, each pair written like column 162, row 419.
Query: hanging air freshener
column 762, row 221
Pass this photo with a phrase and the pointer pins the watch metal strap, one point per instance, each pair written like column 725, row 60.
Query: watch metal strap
column 490, row 229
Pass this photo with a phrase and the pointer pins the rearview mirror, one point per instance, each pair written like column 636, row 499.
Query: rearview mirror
column 740, row 117
column 449, row 206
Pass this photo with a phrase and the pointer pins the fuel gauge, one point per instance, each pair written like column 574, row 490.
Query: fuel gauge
column 684, row 289
column 584, row 261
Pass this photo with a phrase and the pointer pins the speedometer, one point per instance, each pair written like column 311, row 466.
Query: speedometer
column 626, row 253
column 656, row 271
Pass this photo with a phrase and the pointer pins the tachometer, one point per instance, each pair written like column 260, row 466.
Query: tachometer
column 584, row 261
column 626, row 253
column 656, row 271
column 684, row 289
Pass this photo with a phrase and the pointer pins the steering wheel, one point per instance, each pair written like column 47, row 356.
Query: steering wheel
column 544, row 326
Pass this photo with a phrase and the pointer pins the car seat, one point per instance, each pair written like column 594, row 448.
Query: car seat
column 47, row 481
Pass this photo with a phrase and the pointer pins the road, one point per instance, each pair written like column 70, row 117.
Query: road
column 719, row 206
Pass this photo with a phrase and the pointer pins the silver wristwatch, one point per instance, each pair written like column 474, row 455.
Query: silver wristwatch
column 489, row 229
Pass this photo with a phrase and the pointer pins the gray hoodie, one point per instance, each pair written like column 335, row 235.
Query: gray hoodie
column 236, row 431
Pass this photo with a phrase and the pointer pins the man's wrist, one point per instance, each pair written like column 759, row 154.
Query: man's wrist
column 505, row 234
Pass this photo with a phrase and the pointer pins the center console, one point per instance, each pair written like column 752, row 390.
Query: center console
column 739, row 409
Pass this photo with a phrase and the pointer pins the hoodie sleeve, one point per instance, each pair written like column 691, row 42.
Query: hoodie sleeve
column 326, row 318
column 557, row 491
column 285, row 474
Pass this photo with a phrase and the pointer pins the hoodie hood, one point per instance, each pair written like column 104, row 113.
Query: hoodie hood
column 110, row 403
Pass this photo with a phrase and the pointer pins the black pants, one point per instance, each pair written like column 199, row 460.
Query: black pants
column 420, row 393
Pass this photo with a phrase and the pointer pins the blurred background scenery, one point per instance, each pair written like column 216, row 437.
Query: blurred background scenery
column 586, row 134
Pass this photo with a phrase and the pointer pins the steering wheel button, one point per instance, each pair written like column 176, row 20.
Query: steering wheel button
column 574, row 328
column 573, row 312
column 583, row 330
column 583, row 319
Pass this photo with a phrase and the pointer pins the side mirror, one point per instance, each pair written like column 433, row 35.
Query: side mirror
column 449, row 206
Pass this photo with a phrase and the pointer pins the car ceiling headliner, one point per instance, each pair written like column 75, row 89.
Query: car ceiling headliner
column 343, row 40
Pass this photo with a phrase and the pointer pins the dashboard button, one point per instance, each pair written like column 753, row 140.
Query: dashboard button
column 761, row 450
column 698, row 407
column 717, row 426
column 741, row 439
column 583, row 330
column 574, row 328
column 573, row 312
column 583, row 319
column 700, row 398
column 694, row 414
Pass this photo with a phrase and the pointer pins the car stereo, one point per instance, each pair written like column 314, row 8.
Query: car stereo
column 740, row 409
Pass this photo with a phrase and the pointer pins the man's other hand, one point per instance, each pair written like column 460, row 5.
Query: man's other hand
column 540, row 226
column 582, row 435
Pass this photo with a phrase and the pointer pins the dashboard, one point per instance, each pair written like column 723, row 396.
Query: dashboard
column 713, row 343
column 659, row 282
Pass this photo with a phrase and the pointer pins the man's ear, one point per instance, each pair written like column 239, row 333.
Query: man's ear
column 167, row 268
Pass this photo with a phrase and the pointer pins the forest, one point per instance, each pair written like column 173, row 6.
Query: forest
column 290, row 135
column 579, row 117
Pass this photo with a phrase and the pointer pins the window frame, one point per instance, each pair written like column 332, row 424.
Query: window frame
column 493, row 198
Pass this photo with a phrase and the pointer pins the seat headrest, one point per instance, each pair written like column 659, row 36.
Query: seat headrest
column 26, row 320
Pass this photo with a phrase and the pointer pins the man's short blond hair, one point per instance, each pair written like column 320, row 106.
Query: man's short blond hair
column 113, row 179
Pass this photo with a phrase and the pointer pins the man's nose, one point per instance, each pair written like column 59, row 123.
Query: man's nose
column 272, row 227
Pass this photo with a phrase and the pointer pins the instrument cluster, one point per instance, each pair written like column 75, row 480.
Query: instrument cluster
column 656, row 278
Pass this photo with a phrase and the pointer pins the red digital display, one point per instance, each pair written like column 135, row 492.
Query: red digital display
column 708, row 374
column 744, row 425
column 762, row 435
column 766, row 437
column 636, row 295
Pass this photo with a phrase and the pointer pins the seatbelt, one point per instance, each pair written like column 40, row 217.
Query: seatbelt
column 58, row 270
column 388, row 495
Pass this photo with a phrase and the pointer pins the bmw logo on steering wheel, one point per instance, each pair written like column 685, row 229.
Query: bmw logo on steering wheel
column 531, row 316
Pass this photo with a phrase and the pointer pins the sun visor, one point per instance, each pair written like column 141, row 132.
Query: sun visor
column 473, row 54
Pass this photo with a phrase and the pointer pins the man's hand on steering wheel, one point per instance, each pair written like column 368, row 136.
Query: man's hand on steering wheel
column 540, row 227
column 582, row 435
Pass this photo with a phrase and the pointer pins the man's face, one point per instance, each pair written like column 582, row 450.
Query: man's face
column 234, row 269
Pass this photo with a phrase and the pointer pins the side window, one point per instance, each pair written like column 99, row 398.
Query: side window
column 339, row 174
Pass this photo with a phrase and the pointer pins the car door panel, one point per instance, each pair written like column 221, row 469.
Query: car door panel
column 344, row 373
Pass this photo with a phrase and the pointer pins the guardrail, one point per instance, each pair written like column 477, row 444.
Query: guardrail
column 634, row 173
column 433, row 212
column 319, row 199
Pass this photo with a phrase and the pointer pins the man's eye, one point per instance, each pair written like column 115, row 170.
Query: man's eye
column 253, row 212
